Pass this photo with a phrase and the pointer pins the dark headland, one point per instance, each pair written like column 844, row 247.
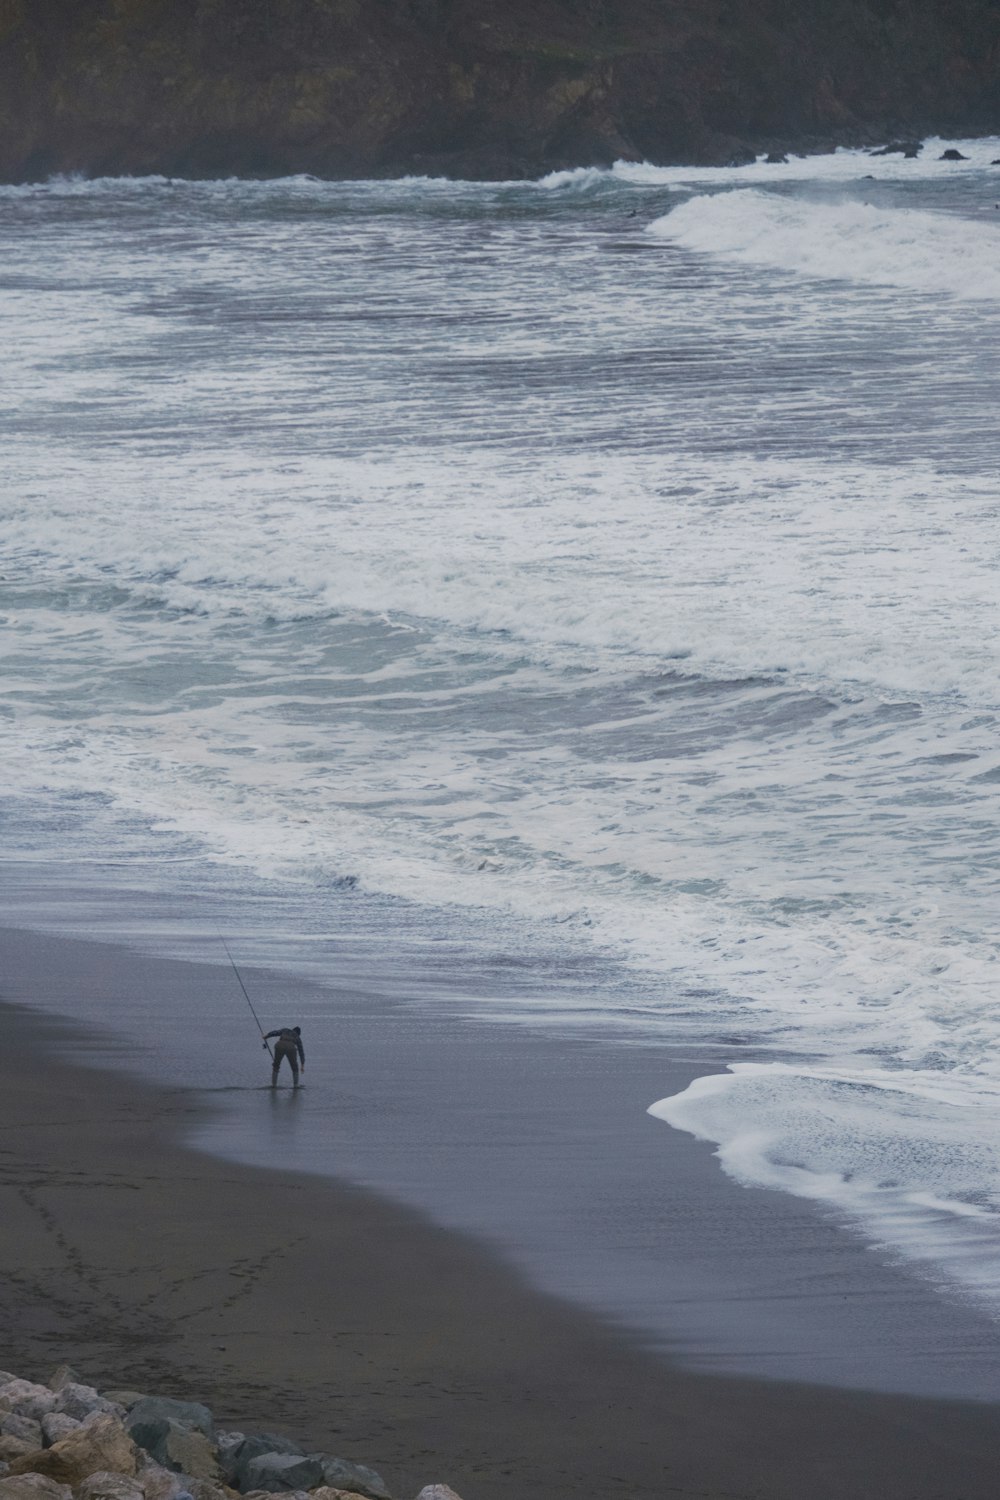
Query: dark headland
column 467, row 88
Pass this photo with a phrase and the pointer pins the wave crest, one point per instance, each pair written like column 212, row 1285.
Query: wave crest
column 843, row 241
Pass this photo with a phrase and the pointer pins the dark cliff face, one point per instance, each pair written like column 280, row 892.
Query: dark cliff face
column 468, row 87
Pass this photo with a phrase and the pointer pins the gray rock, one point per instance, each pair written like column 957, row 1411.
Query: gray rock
column 228, row 1442
column 25, row 1428
column 13, row 1448
column 80, row 1401
column 63, row 1375
column 151, row 1418
column 156, row 1482
column 107, row 1486
column 279, row 1472
column 289, row 1494
column 56, row 1426
column 341, row 1475
column 200, row 1489
column 186, row 1452
column 327, row 1492
column 100, row 1443
column 236, row 1461
column 26, row 1398
column 909, row 149
column 437, row 1492
column 6, row 1377
column 33, row 1487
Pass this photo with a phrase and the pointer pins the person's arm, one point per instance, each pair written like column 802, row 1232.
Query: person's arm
column 302, row 1053
column 270, row 1034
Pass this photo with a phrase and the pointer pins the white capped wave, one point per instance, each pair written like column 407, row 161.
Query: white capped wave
column 884, row 575
column 679, row 677
column 912, row 1158
column 845, row 165
column 301, row 184
column 842, row 165
column 846, row 241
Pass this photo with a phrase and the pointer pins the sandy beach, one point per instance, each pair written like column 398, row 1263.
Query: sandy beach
column 343, row 1318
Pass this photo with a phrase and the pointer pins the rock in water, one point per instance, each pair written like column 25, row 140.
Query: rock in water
column 952, row 155
column 909, row 149
column 437, row 1492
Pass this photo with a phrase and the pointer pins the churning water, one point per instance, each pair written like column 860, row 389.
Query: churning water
column 603, row 565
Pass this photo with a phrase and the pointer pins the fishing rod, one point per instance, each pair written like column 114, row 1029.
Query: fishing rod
column 246, row 996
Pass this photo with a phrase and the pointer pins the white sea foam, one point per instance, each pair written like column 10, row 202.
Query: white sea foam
column 912, row 1158
column 846, row 165
column 884, row 574
column 511, row 565
column 900, row 247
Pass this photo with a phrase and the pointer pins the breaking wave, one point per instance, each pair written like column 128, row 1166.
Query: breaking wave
column 844, row 241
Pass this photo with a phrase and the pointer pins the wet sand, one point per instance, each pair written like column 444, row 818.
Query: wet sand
column 357, row 1325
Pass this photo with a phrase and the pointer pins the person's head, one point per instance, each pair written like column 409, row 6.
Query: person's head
column 297, row 1030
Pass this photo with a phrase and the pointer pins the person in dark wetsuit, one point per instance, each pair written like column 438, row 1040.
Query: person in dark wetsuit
column 289, row 1044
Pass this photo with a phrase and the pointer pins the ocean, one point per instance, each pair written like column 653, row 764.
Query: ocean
column 571, row 604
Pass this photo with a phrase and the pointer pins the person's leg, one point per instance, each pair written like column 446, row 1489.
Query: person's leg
column 294, row 1063
column 275, row 1065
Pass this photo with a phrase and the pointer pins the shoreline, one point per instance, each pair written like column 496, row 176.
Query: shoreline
column 537, row 1142
column 876, row 145
column 357, row 1323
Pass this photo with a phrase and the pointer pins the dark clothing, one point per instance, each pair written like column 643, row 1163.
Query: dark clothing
column 289, row 1044
column 289, row 1036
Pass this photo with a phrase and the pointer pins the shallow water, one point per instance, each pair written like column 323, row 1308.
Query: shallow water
column 574, row 599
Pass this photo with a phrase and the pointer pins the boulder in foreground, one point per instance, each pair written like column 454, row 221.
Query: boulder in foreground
column 67, row 1441
column 33, row 1487
column 99, row 1444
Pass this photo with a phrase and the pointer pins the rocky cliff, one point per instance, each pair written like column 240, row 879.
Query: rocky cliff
column 346, row 88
